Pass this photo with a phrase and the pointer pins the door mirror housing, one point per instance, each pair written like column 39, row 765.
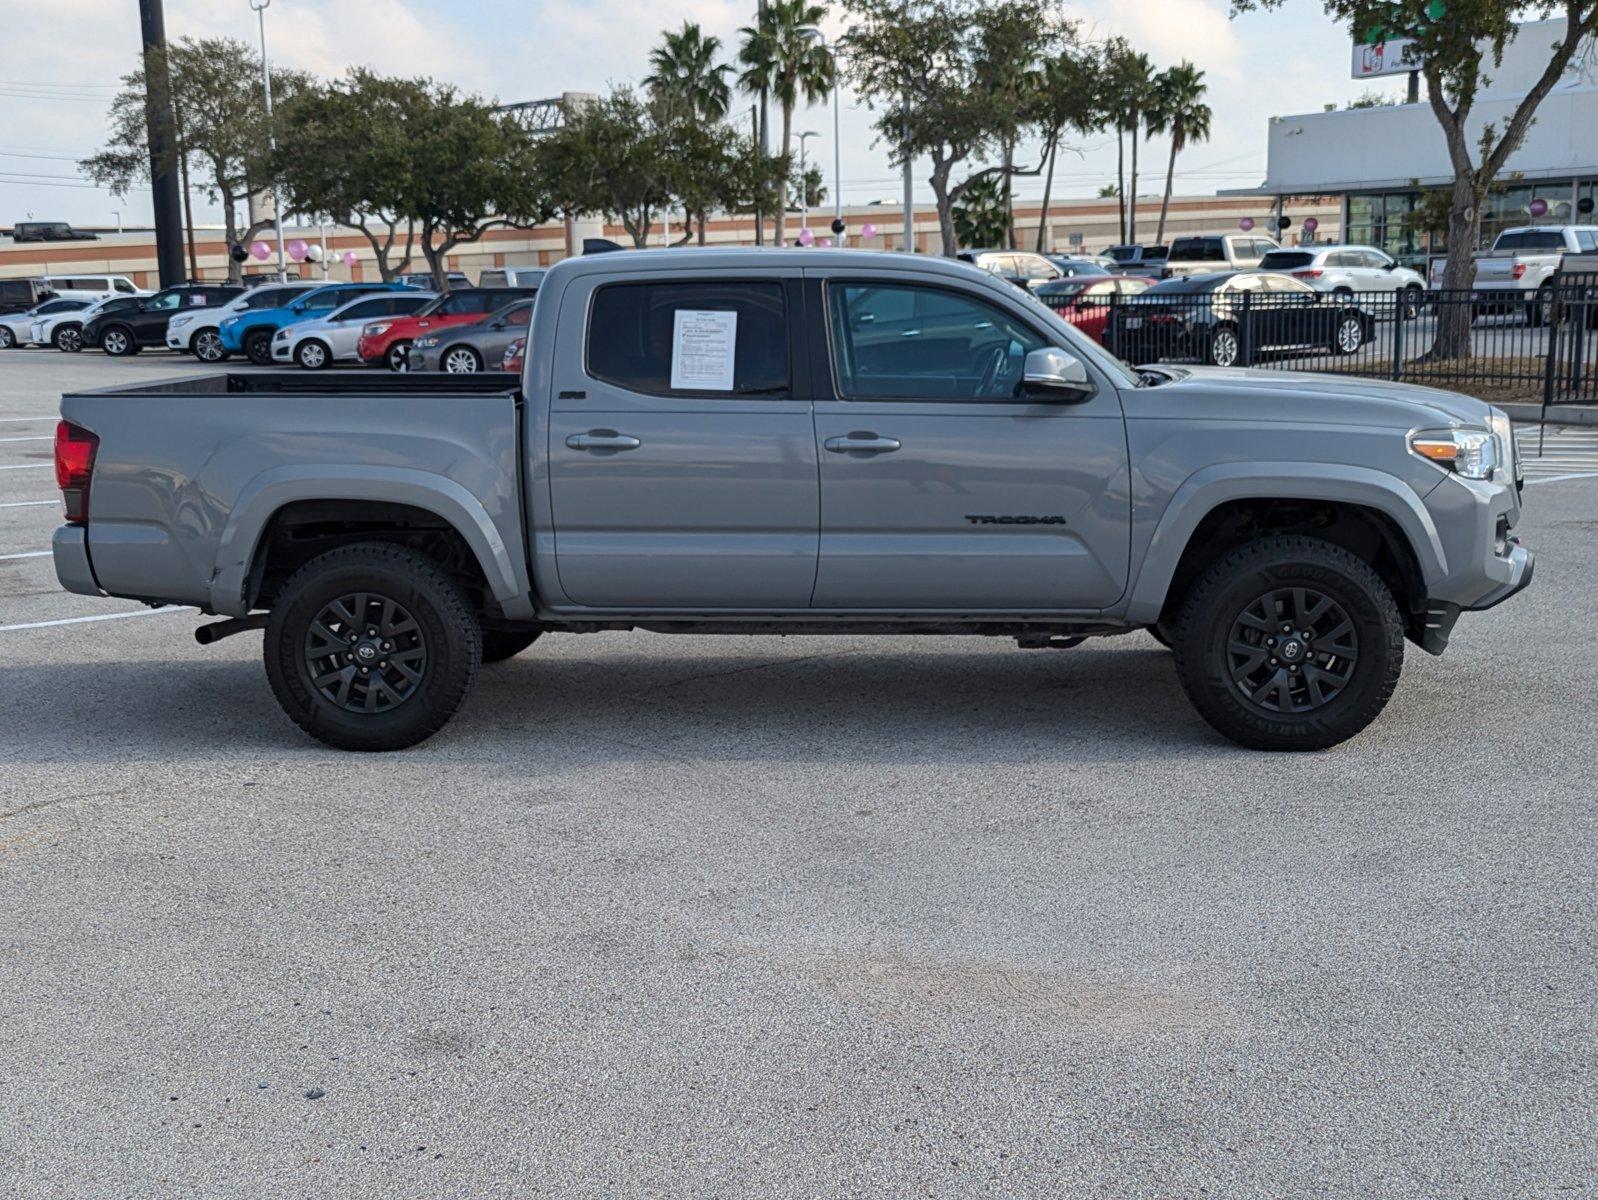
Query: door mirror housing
column 1056, row 375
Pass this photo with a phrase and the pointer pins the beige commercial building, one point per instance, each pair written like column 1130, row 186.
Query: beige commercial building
column 1071, row 225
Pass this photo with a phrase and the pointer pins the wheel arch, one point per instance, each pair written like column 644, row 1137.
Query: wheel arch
column 1365, row 510
column 284, row 511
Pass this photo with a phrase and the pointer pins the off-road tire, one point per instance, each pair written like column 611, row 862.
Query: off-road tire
column 1205, row 623
column 500, row 644
column 447, row 624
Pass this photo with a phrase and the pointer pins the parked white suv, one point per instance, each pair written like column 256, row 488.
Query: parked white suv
column 93, row 287
column 198, row 330
column 1348, row 269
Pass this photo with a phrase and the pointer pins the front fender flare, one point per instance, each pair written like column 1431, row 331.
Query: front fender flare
column 444, row 498
column 1206, row 489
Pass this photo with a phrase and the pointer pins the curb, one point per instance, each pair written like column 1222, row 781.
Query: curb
column 1556, row 414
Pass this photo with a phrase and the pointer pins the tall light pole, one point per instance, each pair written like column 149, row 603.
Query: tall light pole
column 159, row 131
column 804, row 189
column 260, row 7
column 837, row 142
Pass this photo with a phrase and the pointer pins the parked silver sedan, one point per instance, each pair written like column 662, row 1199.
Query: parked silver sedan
column 463, row 349
column 329, row 339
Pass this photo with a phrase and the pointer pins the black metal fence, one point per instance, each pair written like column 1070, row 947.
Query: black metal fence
column 1539, row 348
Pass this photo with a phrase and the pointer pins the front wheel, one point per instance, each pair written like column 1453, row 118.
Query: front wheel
column 7, row 338
column 461, row 360
column 118, row 342
column 371, row 647
column 206, row 345
column 258, row 347
column 312, row 355
column 68, row 339
column 398, row 357
column 1412, row 301
column 1289, row 643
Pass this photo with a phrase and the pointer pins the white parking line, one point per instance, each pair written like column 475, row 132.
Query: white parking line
column 28, row 467
column 1562, row 478
column 149, row 612
column 25, row 420
column 28, row 503
column 40, row 438
column 29, row 554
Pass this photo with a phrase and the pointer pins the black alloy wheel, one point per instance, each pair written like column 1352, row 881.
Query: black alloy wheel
column 365, row 653
column 1292, row 650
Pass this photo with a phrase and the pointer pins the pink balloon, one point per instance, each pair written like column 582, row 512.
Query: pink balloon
column 260, row 251
column 297, row 250
column 349, row 258
column 826, row 241
column 1311, row 224
column 806, row 238
column 1539, row 207
column 1246, row 224
column 868, row 230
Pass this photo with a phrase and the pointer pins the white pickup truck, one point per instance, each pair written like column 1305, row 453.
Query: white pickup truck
column 1516, row 275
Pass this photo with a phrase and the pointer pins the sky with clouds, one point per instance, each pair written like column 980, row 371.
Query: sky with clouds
column 60, row 61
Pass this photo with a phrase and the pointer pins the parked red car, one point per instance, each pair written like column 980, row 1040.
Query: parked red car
column 515, row 356
column 388, row 341
column 1084, row 300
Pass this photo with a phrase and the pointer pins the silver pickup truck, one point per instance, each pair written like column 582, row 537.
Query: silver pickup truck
column 788, row 441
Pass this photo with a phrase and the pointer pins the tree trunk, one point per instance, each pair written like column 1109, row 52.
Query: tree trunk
column 1452, row 340
column 1131, row 186
column 1009, row 194
column 940, row 191
column 1165, row 204
column 230, row 232
column 701, row 233
column 1048, row 190
column 1120, row 176
column 782, row 187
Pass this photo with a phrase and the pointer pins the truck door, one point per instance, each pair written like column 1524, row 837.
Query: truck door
column 682, row 456
column 945, row 486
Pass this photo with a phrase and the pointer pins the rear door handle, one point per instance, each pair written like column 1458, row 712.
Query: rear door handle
column 602, row 439
column 868, row 443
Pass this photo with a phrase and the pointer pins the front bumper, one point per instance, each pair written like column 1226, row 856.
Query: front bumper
column 1522, row 565
column 70, row 547
column 282, row 351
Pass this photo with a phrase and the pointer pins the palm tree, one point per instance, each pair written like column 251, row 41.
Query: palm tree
column 684, row 71
column 782, row 55
column 1132, row 76
column 1066, row 96
column 1179, row 110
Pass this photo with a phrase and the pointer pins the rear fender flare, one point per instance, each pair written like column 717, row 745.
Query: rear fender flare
column 268, row 492
column 1206, row 489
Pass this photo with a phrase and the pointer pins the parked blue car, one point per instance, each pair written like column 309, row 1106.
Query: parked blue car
column 252, row 332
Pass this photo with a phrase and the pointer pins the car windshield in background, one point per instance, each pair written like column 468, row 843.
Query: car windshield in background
column 1066, row 287
column 1286, row 260
column 1193, row 285
column 1198, row 249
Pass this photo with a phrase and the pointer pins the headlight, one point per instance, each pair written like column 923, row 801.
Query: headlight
column 374, row 330
column 1471, row 453
column 229, row 322
column 1508, row 448
column 428, row 342
column 283, row 334
column 179, row 321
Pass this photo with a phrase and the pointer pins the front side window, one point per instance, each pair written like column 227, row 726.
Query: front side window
column 162, row 301
column 727, row 337
column 907, row 342
column 126, row 288
column 462, row 304
column 364, row 310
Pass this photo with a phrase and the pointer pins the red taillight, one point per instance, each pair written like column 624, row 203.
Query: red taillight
column 1315, row 274
column 1517, row 270
column 74, row 463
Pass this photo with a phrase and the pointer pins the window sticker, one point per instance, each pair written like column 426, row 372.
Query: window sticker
column 704, row 344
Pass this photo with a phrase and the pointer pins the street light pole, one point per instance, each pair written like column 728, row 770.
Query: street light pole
column 260, row 7
column 837, row 139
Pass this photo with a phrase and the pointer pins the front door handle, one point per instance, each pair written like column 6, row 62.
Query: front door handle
column 856, row 443
column 602, row 439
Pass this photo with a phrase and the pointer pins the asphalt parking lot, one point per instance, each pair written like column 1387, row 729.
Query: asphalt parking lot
column 786, row 917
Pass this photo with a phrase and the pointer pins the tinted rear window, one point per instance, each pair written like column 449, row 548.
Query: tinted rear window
column 632, row 334
column 1286, row 260
column 1198, row 249
column 1190, row 286
column 1531, row 239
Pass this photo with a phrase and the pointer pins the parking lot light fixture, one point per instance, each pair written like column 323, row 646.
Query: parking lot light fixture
column 260, row 7
column 837, row 142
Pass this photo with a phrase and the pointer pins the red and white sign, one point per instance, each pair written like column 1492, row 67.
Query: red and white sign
column 1384, row 58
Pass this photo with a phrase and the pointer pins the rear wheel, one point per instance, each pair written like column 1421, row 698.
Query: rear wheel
column 371, row 647
column 258, row 347
column 1349, row 336
column 1411, row 301
column 500, row 644
column 118, row 342
column 312, row 354
column 1289, row 643
column 68, row 339
column 398, row 357
column 206, row 345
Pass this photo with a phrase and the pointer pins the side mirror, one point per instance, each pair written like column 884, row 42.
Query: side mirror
column 1389, row 266
column 1056, row 374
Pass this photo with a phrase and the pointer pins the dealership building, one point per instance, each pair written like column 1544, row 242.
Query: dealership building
column 1379, row 161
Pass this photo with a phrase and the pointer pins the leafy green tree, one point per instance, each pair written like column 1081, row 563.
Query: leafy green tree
column 1010, row 42
column 781, row 55
column 610, row 157
column 684, row 71
column 1456, row 42
column 1065, row 96
column 925, row 67
column 810, row 187
column 219, row 132
column 1179, row 110
column 982, row 218
column 349, row 155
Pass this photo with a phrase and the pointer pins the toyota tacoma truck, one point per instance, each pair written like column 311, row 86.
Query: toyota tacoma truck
column 780, row 441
